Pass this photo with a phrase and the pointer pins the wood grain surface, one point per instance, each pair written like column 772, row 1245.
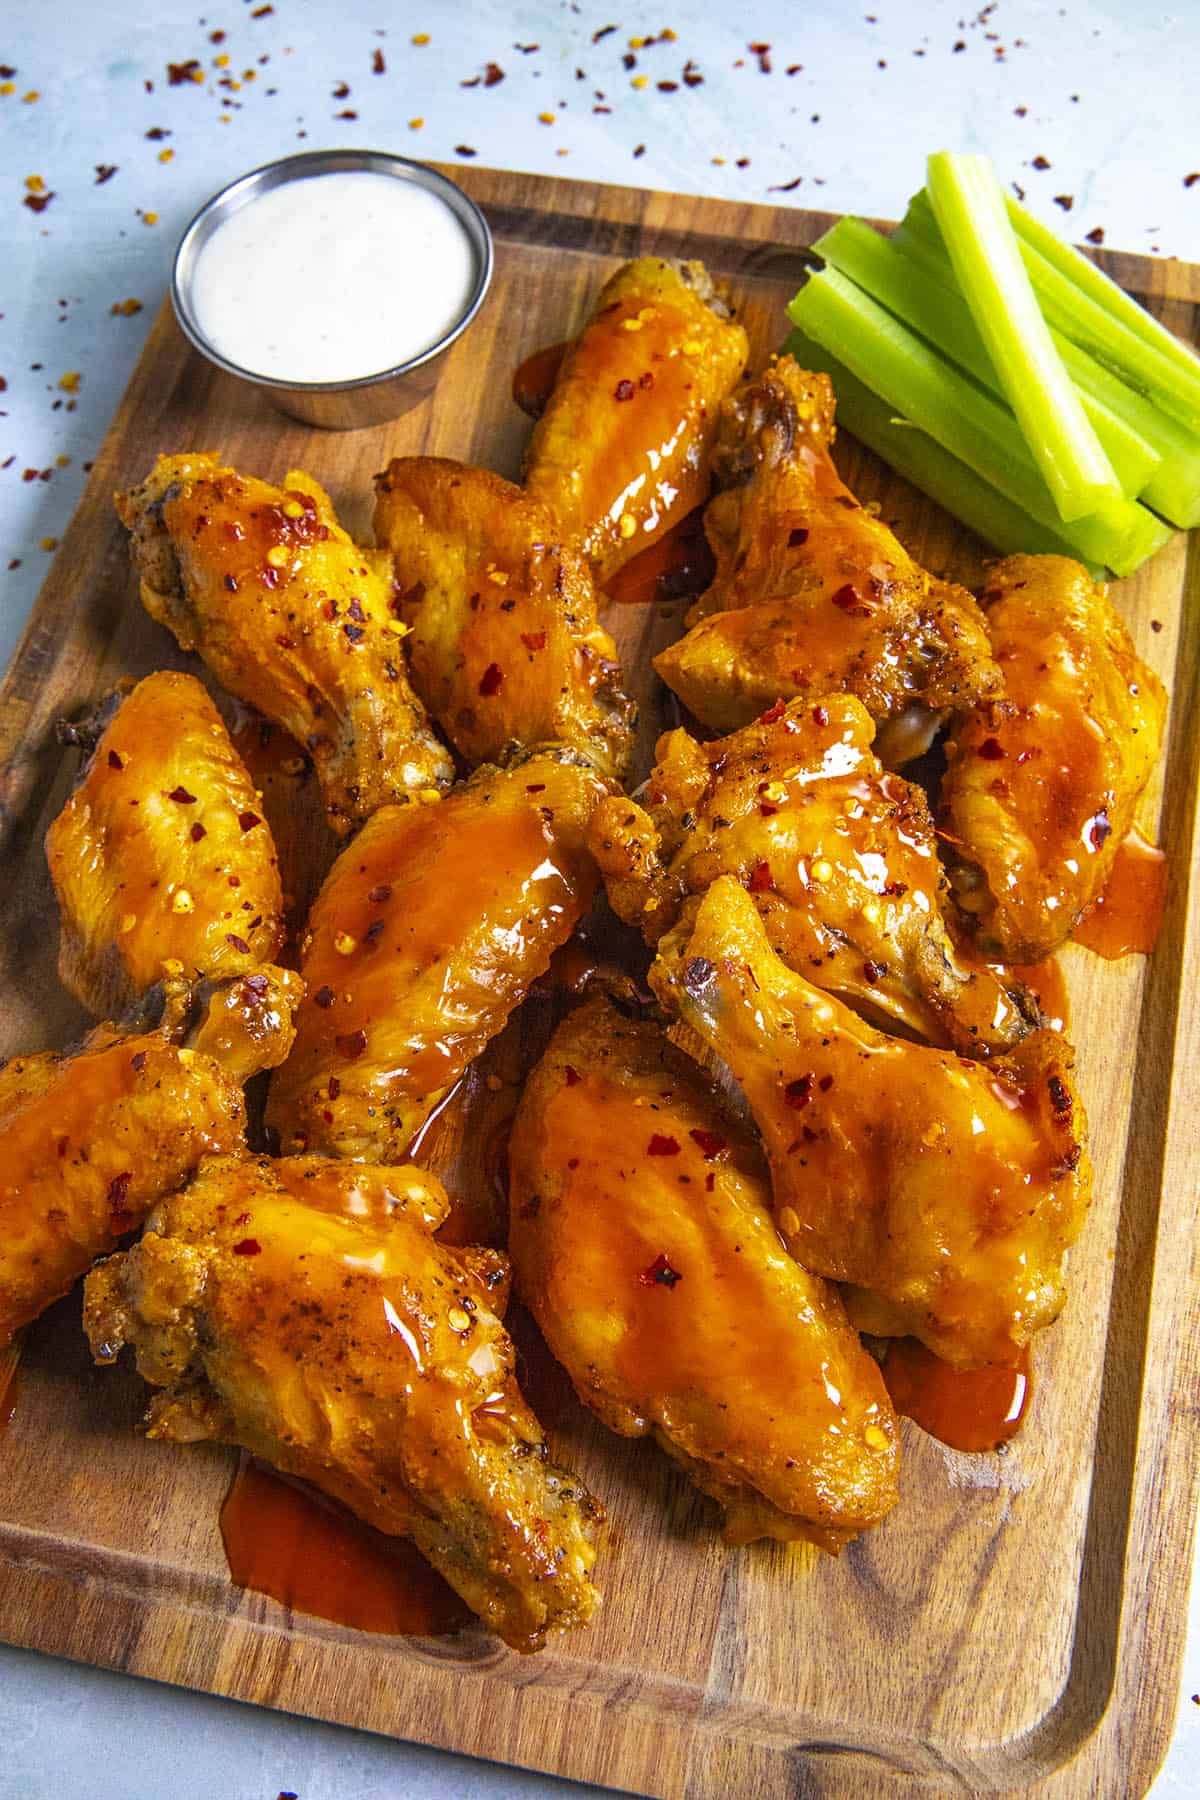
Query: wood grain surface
column 1016, row 1624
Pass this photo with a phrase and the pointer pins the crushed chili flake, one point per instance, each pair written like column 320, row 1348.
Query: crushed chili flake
column 115, row 761
column 181, row 794
column 1191, row 180
column 379, row 894
column 820, row 715
column 572, row 1075
column 797, row 536
column 991, row 749
column 37, row 203
column 711, row 1142
column 692, row 76
column 623, row 390
column 849, row 600
column 342, row 91
column 323, row 997
column 534, row 640
column 798, row 1093
column 493, row 73
column 491, row 681
column 763, row 53
column 874, row 972
column 247, row 1247
column 1041, row 162
column 825, row 1083
column 260, row 12
column 662, row 1145
column 352, row 1045
column 118, row 1188
column 179, row 74
column 248, row 820
column 1066, row 201
column 125, row 309
column 773, row 714
column 604, row 31
column 760, row 880
column 378, row 65
column 660, row 1274
column 1096, row 235
column 464, row 150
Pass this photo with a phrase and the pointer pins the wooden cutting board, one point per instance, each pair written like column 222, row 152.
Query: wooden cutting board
column 1017, row 1623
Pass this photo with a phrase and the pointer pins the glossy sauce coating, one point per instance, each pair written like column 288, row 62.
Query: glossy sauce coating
column 305, row 1310
column 505, row 646
column 1127, row 914
column 950, row 1189
column 642, row 1241
column 620, row 452
column 429, row 930
column 969, row 1409
column 292, row 617
column 1041, row 784
column 533, row 382
column 162, row 859
column 290, row 1542
column 678, row 564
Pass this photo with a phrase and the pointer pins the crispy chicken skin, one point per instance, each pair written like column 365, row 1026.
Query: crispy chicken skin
column 620, row 453
column 161, row 858
column 429, row 930
column 505, row 647
column 305, row 1310
column 949, row 1189
column 291, row 616
column 1042, row 782
column 90, row 1141
column 813, row 594
column 642, row 1240
column 838, row 854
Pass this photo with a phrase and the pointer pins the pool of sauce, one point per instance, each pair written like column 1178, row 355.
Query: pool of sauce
column 969, row 1409
column 285, row 1540
column 534, row 381
column 1126, row 917
column 679, row 564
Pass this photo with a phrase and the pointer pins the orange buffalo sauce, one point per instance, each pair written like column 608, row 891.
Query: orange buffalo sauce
column 969, row 1409
column 678, row 564
column 288, row 1541
column 534, row 381
column 1046, row 981
column 1126, row 916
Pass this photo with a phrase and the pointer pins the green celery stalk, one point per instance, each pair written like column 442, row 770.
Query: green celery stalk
column 944, row 319
column 919, row 384
column 921, row 460
column 1174, row 488
column 1076, row 315
column 987, row 260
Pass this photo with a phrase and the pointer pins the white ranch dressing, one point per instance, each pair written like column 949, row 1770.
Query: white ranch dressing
column 333, row 277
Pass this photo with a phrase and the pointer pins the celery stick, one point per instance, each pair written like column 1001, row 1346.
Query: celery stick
column 1091, row 280
column 920, row 384
column 944, row 319
column 1174, row 488
column 986, row 256
column 915, row 381
column 921, row 460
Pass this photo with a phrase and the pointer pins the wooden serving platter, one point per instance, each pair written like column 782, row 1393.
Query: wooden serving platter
column 1016, row 1624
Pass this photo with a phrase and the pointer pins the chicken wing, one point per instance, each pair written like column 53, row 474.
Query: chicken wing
column 813, row 593
column 1042, row 782
column 161, row 858
column 950, row 1189
column 305, row 1310
column 429, row 930
column 292, row 617
column 642, row 1241
column 505, row 647
column 620, row 453
column 838, row 854
column 89, row 1142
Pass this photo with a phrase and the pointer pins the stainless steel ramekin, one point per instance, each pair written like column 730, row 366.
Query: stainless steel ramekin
column 371, row 399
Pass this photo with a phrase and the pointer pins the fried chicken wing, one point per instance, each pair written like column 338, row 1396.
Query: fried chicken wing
column 813, row 594
column 429, row 930
column 161, row 858
column 950, row 1189
column 839, row 857
column 642, row 1240
column 505, row 646
column 305, row 1310
column 90, row 1141
column 1042, row 782
column 620, row 453
column 291, row 616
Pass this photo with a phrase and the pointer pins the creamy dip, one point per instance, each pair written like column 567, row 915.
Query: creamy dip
column 333, row 277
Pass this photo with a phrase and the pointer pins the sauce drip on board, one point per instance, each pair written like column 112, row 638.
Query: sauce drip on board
column 678, row 564
column 969, row 1409
column 1126, row 917
column 534, row 380
column 1047, row 982
column 284, row 1540
column 8, row 1383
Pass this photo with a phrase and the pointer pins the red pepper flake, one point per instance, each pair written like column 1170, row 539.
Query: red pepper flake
column 179, row 74
column 773, row 714
column 646, row 380
column 667, row 87
column 797, row 536
column 1096, row 235
column 536, row 787
column 38, row 203
column 491, row 681
column 248, row 820
column 464, row 150
column 849, row 600
column 257, row 984
column 342, row 91
column 1066, row 201
column 604, row 31
column 118, row 1188
column 238, row 943
column 198, row 832
column 348, row 114
column 352, row 1045
column 493, row 74
column 873, row 972
column 572, row 1075
column 786, row 187
column 114, row 761
column 260, row 12
column 379, row 894
column 760, row 881
column 1041, row 162
column 825, row 1083
column 247, row 1247
column 355, row 633
column 820, row 715
column 534, row 640
column 639, row 150
column 991, row 749
column 661, row 1145
column 660, row 1274
column 335, row 1087
column 378, row 66
column 181, row 794
column 323, row 997
column 623, row 390
column 798, row 1093
column 691, row 75
column 763, row 53
column 157, row 132
column 104, row 172
column 1191, row 180
column 137, row 1063
column 711, row 1142
column 216, row 37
